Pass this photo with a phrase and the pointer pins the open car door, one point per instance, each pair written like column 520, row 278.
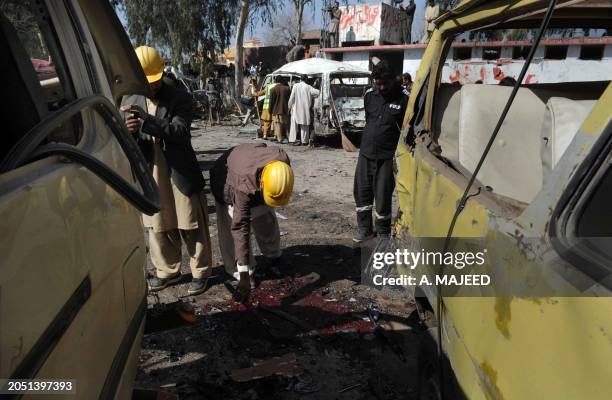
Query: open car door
column 123, row 72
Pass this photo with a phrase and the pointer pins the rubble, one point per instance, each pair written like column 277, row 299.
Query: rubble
column 336, row 347
column 286, row 366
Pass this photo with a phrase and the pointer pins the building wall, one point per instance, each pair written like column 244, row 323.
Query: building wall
column 377, row 23
column 541, row 70
column 412, row 60
column 358, row 58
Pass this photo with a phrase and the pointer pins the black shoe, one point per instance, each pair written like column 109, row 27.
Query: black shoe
column 270, row 267
column 197, row 286
column 362, row 235
column 156, row 284
column 296, row 143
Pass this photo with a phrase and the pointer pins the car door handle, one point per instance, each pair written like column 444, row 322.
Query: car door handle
column 29, row 148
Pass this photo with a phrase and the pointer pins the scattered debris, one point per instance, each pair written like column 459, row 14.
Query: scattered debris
column 373, row 313
column 187, row 313
column 280, row 216
column 148, row 394
column 283, row 233
column 346, row 389
column 303, row 384
column 286, row 365
column 279, row 313
column 369, row 337
column 374, row 316
column 394, row 326
column 164, row 316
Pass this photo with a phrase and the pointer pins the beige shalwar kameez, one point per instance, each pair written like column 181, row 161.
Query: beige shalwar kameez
column 181, row 217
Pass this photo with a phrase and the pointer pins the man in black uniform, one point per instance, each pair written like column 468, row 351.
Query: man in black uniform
column 385, row 105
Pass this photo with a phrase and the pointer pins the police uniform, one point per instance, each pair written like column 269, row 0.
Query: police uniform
column 374, row 180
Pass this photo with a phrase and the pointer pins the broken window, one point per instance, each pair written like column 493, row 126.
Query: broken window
column 591, row 52
column 491, row 53
column 555, row 52
column 532, row 141
column 462, row 53
column 520, row 52
column 34, row 74
column 584, row 233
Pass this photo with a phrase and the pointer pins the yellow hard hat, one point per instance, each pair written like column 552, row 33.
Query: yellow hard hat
column 277, row 183
column 151, row 62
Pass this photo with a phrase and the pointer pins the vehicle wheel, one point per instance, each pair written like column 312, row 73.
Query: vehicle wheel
column 429, row 376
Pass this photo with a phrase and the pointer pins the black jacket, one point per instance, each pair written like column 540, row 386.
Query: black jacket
column 172, row 125
column 384, row 117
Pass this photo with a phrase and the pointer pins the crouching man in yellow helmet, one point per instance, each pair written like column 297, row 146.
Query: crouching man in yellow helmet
column 161, row 125
column 247, row 182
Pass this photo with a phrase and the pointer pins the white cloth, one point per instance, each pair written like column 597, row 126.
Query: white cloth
column 300, row 102
column 431, row 13
column 299, row 132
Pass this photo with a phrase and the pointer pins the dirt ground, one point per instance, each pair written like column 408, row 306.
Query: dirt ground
column 338, row 353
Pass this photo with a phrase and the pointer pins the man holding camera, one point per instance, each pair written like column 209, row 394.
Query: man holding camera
column 162, row 128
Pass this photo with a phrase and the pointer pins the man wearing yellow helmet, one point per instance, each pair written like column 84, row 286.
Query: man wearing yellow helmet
column 247, row 182
column 162, row 128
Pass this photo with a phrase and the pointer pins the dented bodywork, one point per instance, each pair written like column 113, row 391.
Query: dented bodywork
column 340, row 84
column 556, row 345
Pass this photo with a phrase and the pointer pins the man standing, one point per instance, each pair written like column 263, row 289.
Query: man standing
column 432, row 11
column 335, row 13
column 300, row 102
column 385, row 105
column 266, row 117
column 407, row 82
column 279, row 107
column 406, row 21
column 162, row 125
column 214, row 101
column 247, row 181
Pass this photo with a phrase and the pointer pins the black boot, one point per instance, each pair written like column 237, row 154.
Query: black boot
column 362, row 235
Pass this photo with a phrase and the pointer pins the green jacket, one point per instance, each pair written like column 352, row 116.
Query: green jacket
column 266, row 103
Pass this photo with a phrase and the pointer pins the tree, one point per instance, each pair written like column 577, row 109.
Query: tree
column 251, row 11
column 299, row 13
column 180, row 29
column 283, row 32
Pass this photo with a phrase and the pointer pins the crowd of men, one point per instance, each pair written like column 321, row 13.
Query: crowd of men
column 249, row 180
column 288, row 110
